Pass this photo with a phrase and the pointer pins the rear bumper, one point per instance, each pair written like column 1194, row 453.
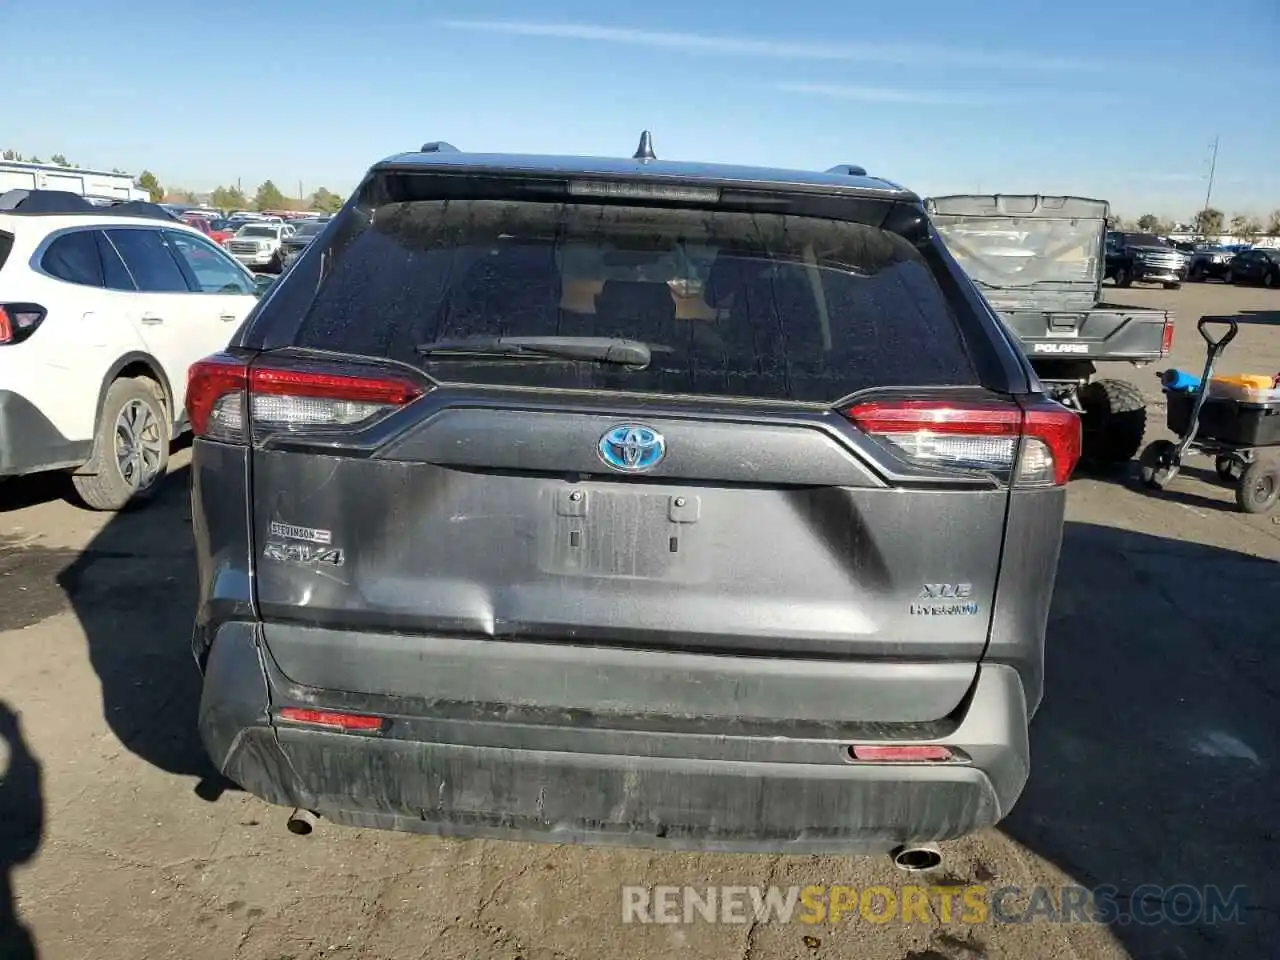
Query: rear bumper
column 29, row 442
column 477, row 773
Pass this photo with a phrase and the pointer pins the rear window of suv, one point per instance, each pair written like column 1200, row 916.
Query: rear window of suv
column 755, row 305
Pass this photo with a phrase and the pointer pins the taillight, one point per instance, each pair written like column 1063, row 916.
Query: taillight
column 332, row 719
column 1166, row 339
column 18, row 321
column 1034, row 446
column 221, row 388
column 1051, row 444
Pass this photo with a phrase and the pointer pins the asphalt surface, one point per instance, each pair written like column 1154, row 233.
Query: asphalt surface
column 1155, row 761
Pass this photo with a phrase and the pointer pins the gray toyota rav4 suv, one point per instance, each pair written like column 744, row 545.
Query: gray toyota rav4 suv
column 627, row 501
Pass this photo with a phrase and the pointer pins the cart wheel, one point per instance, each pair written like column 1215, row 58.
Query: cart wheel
column 1158, row 464
column 1259, row 487
column 1229, row 466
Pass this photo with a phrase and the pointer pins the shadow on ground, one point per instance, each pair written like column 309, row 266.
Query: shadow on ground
column 1258, row 316
column 17, row 493
column 134, row 590
column 21, row 829
column 1154, row 756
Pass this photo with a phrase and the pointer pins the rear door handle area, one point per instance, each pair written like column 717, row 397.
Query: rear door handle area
column 228, row 318
column 152, row 320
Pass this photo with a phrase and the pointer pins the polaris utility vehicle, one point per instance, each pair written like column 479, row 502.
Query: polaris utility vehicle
column 626, row 501
column 1040, row 261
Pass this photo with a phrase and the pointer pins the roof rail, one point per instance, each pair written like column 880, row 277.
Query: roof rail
column 849, row 170
column 64, row 202
column 438, row 146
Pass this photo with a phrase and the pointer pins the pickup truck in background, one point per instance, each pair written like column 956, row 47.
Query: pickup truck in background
column 260, row 245
column 1144, row 258
column 1040, row 261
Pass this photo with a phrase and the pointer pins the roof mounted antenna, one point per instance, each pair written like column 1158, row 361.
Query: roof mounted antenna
column 644, row 152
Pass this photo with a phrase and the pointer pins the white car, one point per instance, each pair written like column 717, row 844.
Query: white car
column 101, row 315
column 259, row 245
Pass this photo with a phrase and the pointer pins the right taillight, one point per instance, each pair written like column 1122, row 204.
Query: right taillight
column 1166, row 339
column 1051, row 444
column 232, row 402
column 1033, row 445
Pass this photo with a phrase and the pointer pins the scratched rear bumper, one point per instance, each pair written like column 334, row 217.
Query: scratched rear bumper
column 467, row 777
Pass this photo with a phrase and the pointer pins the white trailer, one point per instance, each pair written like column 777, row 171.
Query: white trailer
column 93, row 184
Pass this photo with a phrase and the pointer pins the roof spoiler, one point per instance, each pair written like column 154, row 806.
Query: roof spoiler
column 848, row 170
column 438, row 146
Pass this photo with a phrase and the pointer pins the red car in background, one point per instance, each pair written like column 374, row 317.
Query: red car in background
column 207, row 228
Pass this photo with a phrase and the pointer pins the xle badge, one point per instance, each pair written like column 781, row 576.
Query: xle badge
column 944, row 600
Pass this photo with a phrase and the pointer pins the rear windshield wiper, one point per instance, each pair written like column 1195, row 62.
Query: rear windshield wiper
column 628, row 353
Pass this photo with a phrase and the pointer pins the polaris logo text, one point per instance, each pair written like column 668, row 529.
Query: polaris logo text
column 1060, row 348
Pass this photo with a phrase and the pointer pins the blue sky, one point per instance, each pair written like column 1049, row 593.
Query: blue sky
column 1109, row 99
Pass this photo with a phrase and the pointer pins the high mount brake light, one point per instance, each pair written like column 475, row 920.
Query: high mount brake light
column 1036, row 445
column 18, row 321
column 279, row 400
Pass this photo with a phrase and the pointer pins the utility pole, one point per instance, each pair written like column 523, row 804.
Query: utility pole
column 1213, row 166
column 301, row 195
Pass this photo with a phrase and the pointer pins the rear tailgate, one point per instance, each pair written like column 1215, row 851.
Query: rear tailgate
column 1105, row 333
column 720, row 501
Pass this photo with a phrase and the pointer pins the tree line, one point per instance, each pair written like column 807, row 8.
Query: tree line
column 1207, row 223
column 267, row 197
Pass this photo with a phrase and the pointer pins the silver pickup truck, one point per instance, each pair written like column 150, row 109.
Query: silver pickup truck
column 260, row 245
column 1040, row 262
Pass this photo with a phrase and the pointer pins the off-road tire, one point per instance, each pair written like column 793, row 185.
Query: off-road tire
column 1197, row 274
column 1173, row 286
column 100, row 483
column 1271, row 279
column 1259, row 487
column 1123, row 278
column 1115, row 420
column 1228, row 276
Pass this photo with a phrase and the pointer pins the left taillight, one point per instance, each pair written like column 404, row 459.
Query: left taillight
column 232, row 402
column 18, row 321
column 1037, row 444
